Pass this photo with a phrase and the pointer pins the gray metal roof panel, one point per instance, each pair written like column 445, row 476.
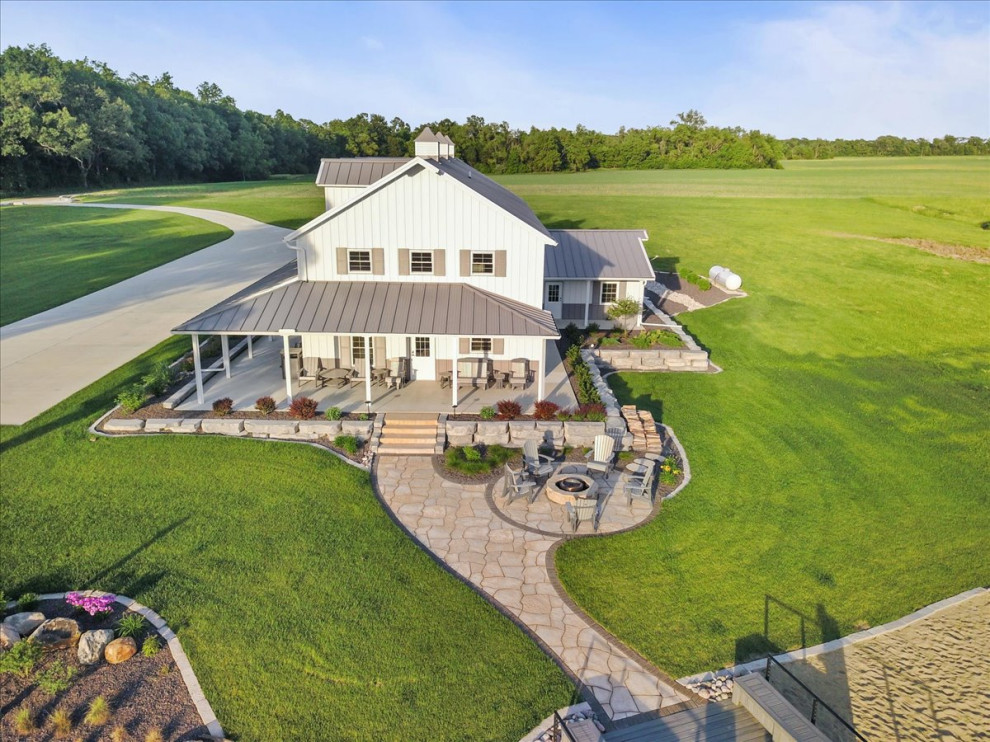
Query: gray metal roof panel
column 356, row 171
column 374, row 307
column 598, row 254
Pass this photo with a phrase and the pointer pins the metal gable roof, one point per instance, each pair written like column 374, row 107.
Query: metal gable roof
column 373, row 308
column 357, row 171
column 598, row 254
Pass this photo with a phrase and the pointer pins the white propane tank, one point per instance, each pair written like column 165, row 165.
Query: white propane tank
column 725, row 278
column 714, row 271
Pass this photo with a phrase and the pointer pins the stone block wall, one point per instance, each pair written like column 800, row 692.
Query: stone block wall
column 302, row 430
column 516, row 432
column 653, row 359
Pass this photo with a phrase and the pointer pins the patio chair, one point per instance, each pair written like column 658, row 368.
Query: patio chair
column 516, row 485
column 600, row 459
column 536, row 463
column 396, row 377
column 310, row 371
column 582, row 509
column 519, row 374
column 639, row 487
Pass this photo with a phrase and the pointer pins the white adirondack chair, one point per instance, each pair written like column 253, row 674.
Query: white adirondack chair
column 602, row 456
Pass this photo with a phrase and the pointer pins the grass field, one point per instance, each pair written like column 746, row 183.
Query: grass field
column 305, row 612
column 54, row 254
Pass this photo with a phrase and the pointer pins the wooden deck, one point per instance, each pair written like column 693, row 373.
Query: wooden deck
column 713, row 722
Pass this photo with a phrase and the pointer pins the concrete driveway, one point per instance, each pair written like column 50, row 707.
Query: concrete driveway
column 50, row 356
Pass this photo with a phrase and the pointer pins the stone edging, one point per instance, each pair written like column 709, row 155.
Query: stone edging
column 203, row 707
column 831, row 646
column 94, row 430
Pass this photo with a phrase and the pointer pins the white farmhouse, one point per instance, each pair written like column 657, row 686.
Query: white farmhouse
column 423, row 269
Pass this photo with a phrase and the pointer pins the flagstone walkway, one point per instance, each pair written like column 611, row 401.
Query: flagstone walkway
column 509, row 564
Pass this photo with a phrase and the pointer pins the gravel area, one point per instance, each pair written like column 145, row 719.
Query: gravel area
column 684, row 296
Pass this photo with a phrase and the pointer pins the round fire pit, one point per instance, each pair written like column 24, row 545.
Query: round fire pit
column 565, row 488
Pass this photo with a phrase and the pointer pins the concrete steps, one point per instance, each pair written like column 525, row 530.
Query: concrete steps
column 714, row 722
column 411, row 434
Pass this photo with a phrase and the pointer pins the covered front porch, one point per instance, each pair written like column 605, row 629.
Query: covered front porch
column 260, row 374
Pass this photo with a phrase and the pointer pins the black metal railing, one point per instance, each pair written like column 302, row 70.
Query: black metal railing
column 559, row 730
column 817, row 704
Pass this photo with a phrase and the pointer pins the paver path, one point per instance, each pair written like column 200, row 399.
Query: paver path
column 509, row 564
column 51, row 355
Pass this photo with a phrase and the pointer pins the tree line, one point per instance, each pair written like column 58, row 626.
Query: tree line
column 886, row 146
column 68, row 124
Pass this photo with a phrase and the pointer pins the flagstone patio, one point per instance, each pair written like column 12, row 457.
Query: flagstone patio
column 508, row 562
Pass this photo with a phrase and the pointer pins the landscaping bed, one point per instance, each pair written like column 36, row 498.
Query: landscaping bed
column 143, row 694
column 696, row 294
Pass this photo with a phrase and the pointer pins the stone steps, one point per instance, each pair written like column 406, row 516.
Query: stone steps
column 410, row 434
column 644, row 430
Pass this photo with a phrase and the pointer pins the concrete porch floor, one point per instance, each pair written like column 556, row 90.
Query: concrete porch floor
column 261, row 376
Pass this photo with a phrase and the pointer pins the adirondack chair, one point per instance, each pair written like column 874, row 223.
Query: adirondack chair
column 640, row 487
column 519, row 374
column 516, row 485
column 582, row 510
column 536, row 463
column 600, row 459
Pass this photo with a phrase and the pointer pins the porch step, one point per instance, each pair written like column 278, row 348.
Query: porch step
column 405, row 449
column 409, row 434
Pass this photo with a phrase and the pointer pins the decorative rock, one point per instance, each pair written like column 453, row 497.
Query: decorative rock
column 92, row 644
column 25, row 623
column 120, row 650
column 56, row 633
column 8, row 637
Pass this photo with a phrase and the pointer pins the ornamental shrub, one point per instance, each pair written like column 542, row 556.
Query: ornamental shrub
column 592, row 412
column 303, row 408
column 546, row 410
column 508, row 410
column 623, row 308
column 159, row 379
column 264, row 405
column 471, row 453
column 56, row 678
column 333, row 413
column 27, row 601
column 20, row 659
column 592, row 328
column 132, row 624
column 131, row 398
column 347, row 443
column 223, row 406
column 487, row 413
column 150, row 647
column 691, row 277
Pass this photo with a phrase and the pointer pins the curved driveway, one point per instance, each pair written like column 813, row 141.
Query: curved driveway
column 49, row 356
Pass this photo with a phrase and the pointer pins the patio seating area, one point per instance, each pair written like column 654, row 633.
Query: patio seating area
column 261, row 375
column 570, row 498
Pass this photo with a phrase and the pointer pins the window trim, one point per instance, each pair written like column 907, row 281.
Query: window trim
column 615, row 287
column 412, row 262
column 351, row 252
column 364, row 347
column 482, row 343
column 560, row 292
column 490, row 254
column 429, row 347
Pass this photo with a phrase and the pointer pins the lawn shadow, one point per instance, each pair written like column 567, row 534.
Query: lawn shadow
column 552, row 223
column 665, row 263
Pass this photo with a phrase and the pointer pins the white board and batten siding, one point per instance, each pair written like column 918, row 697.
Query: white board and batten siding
column 334, row 196
column 424, row 211
column 442, row 347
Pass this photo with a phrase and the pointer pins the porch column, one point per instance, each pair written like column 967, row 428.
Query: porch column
column 367, row 371
column 453, row 373
column 288, row 367
column 542, row 382
column 198, row 366
column 250, row 346
column 225, row 351
column 587, row 304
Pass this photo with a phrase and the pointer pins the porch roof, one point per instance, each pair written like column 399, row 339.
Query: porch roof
column 599, row 254
column 274, row 304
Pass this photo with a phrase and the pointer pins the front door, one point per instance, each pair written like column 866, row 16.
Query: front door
column 552, row 299
column 423, row 367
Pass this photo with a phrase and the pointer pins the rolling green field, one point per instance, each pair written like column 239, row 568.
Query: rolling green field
column 305, row 612
column 53, row 254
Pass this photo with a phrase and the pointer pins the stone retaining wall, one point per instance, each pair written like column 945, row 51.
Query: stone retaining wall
column 655, row 359
column 297, row 430
column 516, row 432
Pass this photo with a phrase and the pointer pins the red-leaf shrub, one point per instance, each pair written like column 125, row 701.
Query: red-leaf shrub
column 592, row 412
column 223, row 406
column 546, row 410
column 265, row 405
column 303, row 408
column 508, row 410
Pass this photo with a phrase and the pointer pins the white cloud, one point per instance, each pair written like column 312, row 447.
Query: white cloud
column 371, row 43
column 854, row 70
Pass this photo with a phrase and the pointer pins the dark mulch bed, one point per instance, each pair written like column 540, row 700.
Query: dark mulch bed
column 674, row 282
column 154, row 410
column 144, row 693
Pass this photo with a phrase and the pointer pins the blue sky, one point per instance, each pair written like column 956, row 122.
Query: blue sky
column 832, row 69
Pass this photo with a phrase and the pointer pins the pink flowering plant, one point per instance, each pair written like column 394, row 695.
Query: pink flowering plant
column 92, row 604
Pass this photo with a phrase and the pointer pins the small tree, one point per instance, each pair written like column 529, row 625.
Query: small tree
column 623, row 311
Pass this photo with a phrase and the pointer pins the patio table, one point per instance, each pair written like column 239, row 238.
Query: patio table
column 379, row 375
column 340, row 375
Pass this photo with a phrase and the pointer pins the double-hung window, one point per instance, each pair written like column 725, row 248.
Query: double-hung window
column 359, row 261
column 553, row 293
column 358, row 350
column 422, row 347
column 610, row 292
column 481, row 345
column 420, row 262
column 482, row 264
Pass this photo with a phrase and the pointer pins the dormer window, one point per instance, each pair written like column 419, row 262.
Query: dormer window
column 420, row 262
column 482, row 264
column 359, row 261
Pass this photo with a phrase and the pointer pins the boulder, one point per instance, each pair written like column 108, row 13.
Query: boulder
column 120, row 650
column 25, row 623
column 92, row 644
column 56, row 633
column 8, row 637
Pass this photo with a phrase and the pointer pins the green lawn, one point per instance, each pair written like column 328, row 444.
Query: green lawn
column 305, row 612
column 286, row 202
column 50, row 255
column 840, row 462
